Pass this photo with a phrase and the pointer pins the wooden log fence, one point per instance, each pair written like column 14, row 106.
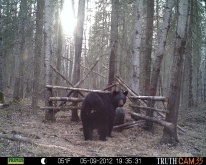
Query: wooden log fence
column 142, row 99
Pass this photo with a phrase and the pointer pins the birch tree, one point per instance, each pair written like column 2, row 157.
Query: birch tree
column 161, row 46
column 136, row 47
column 170, row 136
column 38, row 53
column 113, row 41
column 160, row 52
column 78, row 41
column 49, row 115
column 78, row 49
column 59, row 47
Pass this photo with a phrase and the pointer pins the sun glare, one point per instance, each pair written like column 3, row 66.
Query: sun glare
column 67, row 18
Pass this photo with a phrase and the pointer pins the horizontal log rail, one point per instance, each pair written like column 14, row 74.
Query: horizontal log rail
column 66, row 99
column 76, row 89
column 149, row 108
column 155, row 98
column 62, row 108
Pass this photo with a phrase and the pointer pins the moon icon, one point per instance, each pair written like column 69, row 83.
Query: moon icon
column 43, row 160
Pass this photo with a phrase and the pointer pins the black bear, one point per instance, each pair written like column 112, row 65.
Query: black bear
column 120, row 115
column 98, row 112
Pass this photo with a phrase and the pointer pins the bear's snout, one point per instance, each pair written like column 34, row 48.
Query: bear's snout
column 121, row 103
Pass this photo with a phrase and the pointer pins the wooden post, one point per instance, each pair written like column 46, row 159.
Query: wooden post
column 149, row 124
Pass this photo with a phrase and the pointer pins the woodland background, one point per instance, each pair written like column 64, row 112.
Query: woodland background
column 128, row 37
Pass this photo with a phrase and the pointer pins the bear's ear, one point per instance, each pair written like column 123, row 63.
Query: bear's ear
column 115, row 93
column 125, row 93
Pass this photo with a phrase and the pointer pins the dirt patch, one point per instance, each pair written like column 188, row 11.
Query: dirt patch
column 65, row 138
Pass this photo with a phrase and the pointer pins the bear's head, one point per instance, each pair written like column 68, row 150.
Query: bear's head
column 119, row 98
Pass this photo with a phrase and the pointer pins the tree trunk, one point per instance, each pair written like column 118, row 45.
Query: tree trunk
column 38, row 53
column 148, row 45
column 147, row 57
column 186, row 86
column 170, row 136
column 190, row 64
column 19, row 57
column 161, row 47
column 1, row 51
column 78, row 50
column 49, row 115
column 59, row 47
column 136, row 47
column 191, row 100
column 113, row 41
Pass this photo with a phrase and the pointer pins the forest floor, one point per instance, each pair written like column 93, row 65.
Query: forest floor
column 65, row 138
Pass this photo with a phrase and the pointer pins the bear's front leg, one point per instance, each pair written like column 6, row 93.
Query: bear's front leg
column 87, row 130
column 110, row 126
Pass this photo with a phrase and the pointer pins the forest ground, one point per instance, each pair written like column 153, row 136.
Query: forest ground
column 65, row 138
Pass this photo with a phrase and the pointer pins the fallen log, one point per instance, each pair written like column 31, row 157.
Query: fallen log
column 155, row 120
column 4, row 105
column 19, row 138
column 126, row 125
column 16, row 137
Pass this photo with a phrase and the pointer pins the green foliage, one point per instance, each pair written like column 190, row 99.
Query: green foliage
column 2, row 98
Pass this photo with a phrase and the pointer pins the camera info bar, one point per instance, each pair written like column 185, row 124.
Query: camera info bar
column 103, row 160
